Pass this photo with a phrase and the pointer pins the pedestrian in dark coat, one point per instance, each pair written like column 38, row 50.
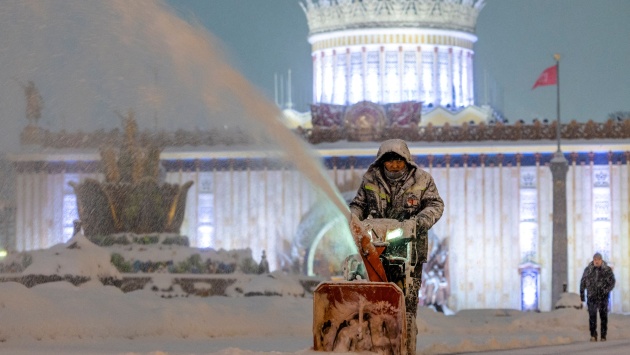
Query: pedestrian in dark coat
column 394, row 187
column 598, row 280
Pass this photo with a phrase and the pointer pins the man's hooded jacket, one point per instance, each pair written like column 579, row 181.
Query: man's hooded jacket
column 410, row 196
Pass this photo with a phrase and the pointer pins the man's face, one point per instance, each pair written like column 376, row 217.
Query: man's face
column 597, row 262
column 394, row 165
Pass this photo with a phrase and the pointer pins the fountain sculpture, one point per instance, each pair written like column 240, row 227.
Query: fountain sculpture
column 131, row 200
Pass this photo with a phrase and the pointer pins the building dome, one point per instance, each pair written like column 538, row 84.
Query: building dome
column 387, row 51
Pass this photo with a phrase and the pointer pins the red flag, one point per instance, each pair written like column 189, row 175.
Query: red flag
column 548, row 77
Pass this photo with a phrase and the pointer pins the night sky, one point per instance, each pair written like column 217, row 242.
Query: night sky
column 93, row 60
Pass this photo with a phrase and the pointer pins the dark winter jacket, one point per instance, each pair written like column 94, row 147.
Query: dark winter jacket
column 414, row 196
column 598, row 282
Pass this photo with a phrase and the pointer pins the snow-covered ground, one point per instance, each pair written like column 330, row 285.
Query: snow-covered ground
column 94, row 319
column 59, row 318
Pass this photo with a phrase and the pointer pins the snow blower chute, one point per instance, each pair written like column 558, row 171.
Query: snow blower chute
column 366, row 312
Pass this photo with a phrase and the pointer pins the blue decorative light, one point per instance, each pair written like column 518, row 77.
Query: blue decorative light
column 530, row 279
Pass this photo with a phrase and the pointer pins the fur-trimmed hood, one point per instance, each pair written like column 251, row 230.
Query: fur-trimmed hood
column 592, row 266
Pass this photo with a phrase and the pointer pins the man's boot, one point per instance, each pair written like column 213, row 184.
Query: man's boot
column 412, row 333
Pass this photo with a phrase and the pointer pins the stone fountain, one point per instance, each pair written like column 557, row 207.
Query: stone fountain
column 132, row 199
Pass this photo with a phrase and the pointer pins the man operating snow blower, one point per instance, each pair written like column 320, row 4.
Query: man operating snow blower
column 374, row 309
column 395, row 188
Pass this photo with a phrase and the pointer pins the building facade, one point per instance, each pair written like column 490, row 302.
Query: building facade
column 379, row 57
column 497, row 221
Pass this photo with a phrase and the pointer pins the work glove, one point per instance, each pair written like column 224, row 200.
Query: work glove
column 423, row 224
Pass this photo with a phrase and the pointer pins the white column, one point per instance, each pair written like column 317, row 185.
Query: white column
column 622, row 268
column 617, row 253
column 493, row 225
column 458, row 243
column 510, row 235
column 574, row 266
column 445, row 229
column 476, row 227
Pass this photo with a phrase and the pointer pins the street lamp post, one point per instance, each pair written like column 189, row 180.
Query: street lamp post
column 559, row 167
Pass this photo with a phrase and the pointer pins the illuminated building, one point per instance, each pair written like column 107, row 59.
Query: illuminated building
column 393, row 51
column 494, row 178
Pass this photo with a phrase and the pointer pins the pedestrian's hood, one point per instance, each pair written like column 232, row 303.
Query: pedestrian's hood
column 397, row 146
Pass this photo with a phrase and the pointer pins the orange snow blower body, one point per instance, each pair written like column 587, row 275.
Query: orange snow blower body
column 366, row 315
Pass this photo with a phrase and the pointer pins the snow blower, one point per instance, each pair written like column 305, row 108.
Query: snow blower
column 366, row 311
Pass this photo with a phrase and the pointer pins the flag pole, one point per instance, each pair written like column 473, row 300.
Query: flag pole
column 557, row 58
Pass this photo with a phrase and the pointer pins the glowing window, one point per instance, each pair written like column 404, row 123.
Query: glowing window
column 70, row 211
column 391, row 90
column 528, row 236
column 528, row 214
column 356, row 78
column 70, row 214
column 446, row 95
column 410, row 77
column 601, row 206
column 204, row 236
column 317, row 73
column 457, row 78
column 372, row 87
column 466, row 78
column 428, row 94
column 205, row 211
column 529, row 284
column 339, row 91
column 529, row 205
column 327, row 78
